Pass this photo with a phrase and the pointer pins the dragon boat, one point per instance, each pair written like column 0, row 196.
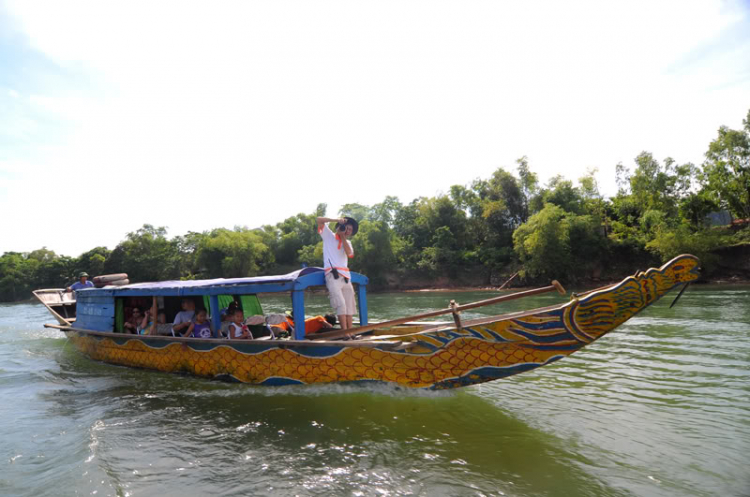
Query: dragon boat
column 425, row 355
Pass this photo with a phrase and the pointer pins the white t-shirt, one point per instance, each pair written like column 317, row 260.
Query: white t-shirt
column 235, row 331
column 332, row 254
column 183, row 317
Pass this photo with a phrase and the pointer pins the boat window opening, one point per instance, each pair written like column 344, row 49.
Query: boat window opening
column 172, row 305
column 124, row 307
column 124, row 311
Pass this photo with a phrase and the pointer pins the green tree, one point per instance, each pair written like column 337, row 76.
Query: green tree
column 696, row 207
column 529, row 183
column 43, row 255
column 502, row 206
column 670, row 242
column 543, row 244
column 562, row 193
column 55, row 273
column 373, row 249
column 187, row 246
column 357, row 211
column 16, row 276
column 559, row 244
column 232, row 254
column 726, row 171
column 385, row 211
column 311, row 255
column 92, row 261
column 656, row 186
column 593, row 202
column 292, row 235
column 146, row 255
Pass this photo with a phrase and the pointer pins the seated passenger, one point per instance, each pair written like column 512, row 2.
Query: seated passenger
column 134, row 322
column 183, row 318
column 159, row 327
column 237, row 329
column 201, row 328
column 226, row 319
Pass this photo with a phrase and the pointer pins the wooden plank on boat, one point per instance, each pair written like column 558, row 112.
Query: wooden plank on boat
column 555, row 286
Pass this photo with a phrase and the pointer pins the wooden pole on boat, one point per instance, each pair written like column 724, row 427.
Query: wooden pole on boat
column 456, row 314
column 509, row 280
column 454, row 309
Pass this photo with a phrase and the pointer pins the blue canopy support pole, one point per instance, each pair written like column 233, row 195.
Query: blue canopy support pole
column 213, row 301
column 298, row 309
column 362, row 301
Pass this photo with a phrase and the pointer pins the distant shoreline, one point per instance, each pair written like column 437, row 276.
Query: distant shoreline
column 586, row 287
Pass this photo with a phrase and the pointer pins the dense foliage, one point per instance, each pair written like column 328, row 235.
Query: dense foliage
column 490, row 228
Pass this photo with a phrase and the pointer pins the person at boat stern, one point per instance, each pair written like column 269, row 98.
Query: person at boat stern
column 337, row 250
column 83, row 282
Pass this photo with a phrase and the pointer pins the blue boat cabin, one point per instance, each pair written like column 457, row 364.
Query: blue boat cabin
column 98, row 309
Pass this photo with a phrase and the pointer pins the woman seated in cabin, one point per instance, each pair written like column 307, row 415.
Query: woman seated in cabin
column 132, row 324
column 201, row 327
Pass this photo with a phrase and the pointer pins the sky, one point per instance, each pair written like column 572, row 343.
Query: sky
column 201, row 115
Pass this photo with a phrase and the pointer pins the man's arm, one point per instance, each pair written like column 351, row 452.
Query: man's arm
column 323, row 220
column 154, row 315
column 189, row 331
column 144, row 321
column 179, row 324
column 346, row 244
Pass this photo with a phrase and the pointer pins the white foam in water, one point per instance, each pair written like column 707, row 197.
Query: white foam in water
column 319, row 389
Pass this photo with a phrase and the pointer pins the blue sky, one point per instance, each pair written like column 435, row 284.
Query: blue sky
column 196, row 116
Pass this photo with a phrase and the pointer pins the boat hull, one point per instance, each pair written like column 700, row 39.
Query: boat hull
column 483, row 350
column 61, row 304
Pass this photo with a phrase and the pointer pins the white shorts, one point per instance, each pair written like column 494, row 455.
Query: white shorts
column 341, row 295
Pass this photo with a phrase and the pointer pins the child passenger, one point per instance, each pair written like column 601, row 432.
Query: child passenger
column 237, row 329
column 226, row 319
column 201, row 328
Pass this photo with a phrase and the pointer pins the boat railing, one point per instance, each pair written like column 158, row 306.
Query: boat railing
column 55, row 296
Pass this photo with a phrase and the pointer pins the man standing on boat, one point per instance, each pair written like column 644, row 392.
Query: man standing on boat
column 81, row 283
column 337, row 250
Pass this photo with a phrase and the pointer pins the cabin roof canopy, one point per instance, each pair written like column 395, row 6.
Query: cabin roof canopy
column 296, row 280
column 291, row 277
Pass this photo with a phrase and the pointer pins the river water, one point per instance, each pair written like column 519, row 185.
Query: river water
column 660, row 407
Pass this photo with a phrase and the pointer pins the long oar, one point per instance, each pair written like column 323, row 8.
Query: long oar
column 555, row 286
column 679, row 295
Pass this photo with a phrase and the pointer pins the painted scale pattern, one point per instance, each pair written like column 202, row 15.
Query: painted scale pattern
column 443, row 359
